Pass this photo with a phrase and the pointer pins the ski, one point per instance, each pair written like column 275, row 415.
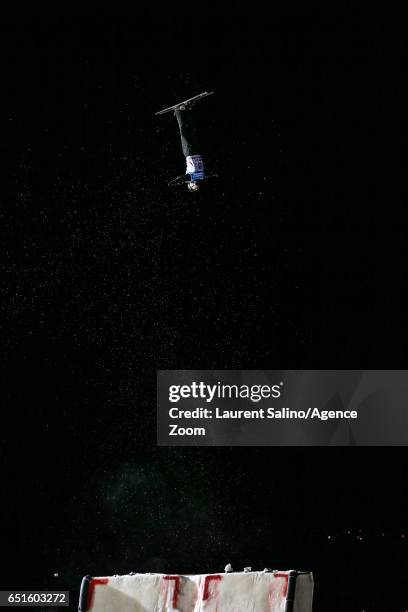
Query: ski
column 185, row 103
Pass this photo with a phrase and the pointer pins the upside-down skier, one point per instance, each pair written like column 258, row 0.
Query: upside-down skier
column 190, row 142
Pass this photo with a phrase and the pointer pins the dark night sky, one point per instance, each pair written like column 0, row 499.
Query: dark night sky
column 294, row 259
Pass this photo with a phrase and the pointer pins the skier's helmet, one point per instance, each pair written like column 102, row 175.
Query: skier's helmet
column 193, row 186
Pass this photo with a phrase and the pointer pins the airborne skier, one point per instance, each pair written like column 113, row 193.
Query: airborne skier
column 190, row 142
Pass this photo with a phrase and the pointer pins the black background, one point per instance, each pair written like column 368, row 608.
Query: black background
column 294, row 258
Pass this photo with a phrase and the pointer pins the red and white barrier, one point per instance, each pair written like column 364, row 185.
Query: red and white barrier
column 230, row 592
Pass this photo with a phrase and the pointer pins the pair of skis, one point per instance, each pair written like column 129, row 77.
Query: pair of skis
column 185, row 104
